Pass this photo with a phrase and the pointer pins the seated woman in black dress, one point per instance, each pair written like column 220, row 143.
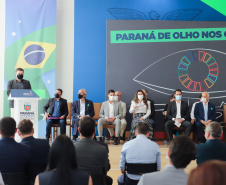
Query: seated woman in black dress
column 62, row 166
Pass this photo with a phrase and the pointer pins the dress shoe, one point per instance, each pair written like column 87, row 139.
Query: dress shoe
column 116, row 141
column 112, row 138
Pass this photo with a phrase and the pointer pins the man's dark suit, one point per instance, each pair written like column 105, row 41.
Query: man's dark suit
column 213, row 149
column 39, row 150
column 75, row 113
column 14, row 157
column 63, row 111
column 92, row 158
column 12, row 84
column 200, row 115
column 172, row 112
column 151, row 117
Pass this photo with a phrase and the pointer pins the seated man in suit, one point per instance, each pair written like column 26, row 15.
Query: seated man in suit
column 181, row 151
column 213, row 148
column 80, row 108
column 204, row 113
column 193, row 119
column 110, row 113
column 139, row 150
column 57, row 114
column 152, row 121
column 39, row 148
column 117, row 97
column 178, row 115
column 91, row 156
column 18, row 83
column 14, row 157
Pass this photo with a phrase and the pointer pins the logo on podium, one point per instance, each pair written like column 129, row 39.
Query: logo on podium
column 27, row 107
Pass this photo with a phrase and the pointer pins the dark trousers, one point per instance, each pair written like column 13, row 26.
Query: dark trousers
column 127, row 181
column 170, row 124
column 199, row 130
column 50, row 122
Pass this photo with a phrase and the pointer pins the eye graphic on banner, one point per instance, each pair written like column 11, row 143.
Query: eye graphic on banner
column 34, row 54
column 193, row 58
column 198, row 71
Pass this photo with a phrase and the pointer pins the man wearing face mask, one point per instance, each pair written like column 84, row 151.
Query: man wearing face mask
column 81, row 108
column 18, row 83
column 110, row 113
column 204, row 113
column 57, row 114
column 117, row 98
column 178, row 114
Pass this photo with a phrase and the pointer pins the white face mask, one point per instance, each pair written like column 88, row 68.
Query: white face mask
column 140, row 97
column 111, row 98
column 115, row 98
column 203, row 100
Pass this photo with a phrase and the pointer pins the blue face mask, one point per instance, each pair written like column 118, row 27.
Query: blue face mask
column 178, row 98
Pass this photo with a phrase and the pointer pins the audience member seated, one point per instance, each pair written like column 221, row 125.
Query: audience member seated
column 193, row 119
column 209, row 173
column 80, row 108
column 139, row 150
column 181, row 152
column 213, row 148
column 178, row 115
column 109, row 180
column 1, row 180
column 58, row 111
column 62, row 166
column 204, row 113
column 151, row 117
column 39, row 148
column 14, row 157
column 117, row 98
column 140, row 106
column 91, row 156
column 172, row 98
column 110, row 113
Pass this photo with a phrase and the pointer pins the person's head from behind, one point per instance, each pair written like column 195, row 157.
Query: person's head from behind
column 142, row 128
column 213, row 131
column 25, row 128
column 181, row 151
column 208, row 173
column 87, row 127
column 8, row 127
column 62, row 157
column 19, row 73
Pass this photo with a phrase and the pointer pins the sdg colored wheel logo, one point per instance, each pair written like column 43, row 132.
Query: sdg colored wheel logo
column 198, row 56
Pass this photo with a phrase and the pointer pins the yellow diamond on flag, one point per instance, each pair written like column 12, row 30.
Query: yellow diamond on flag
column 34, row 54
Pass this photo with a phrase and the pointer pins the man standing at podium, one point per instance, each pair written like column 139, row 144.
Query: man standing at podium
column 57, row 114
column 18, row 83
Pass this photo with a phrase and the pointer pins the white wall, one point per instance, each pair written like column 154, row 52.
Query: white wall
column 2, row 53
column 65, row 48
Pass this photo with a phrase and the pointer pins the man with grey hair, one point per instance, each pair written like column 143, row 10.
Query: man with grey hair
column 80, row 108
column 204, row 113
column 213, row 149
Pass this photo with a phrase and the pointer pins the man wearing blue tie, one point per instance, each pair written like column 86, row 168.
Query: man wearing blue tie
column 204, row 113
